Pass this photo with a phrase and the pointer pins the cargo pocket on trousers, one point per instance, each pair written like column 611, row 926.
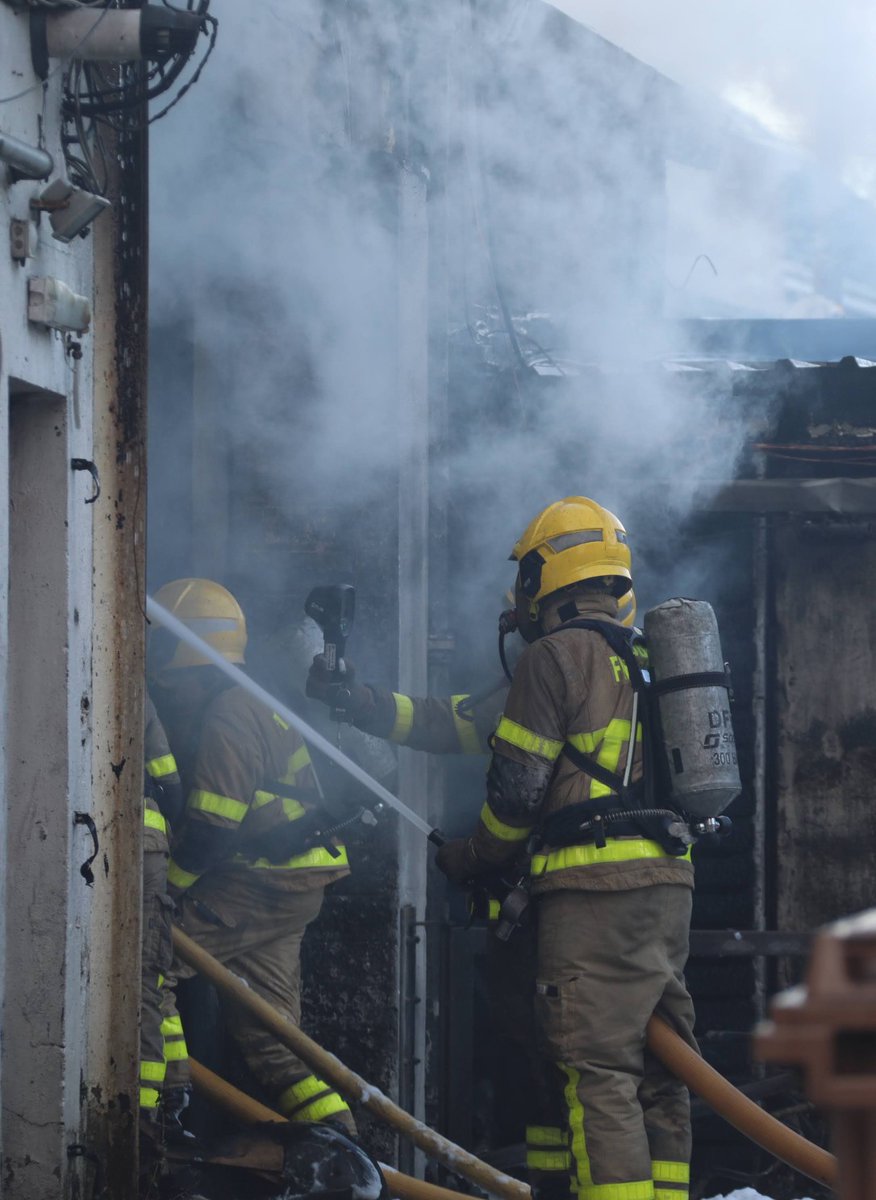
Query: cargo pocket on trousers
column 165, row 947
column 554, row 1020
column 153, row 936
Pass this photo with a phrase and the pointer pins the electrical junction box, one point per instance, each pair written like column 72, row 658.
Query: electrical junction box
column 22, row 240
column 51, row 303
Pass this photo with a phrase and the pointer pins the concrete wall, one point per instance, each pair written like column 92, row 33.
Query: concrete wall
column 69, row 1037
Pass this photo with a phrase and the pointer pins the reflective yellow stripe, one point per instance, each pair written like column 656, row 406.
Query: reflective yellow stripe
column 615, row 850
column 279, row 720
column 505, row 833
column 318, row 857
column 404, row 718
column 588, row 742
column 151, row 1071
column 670, row 1191
column 154, row 820
column 546, row 1135
column 548, row 1160
column 172, row 1026
column 466, row 730
column 175, row 1050
column 547, row 1148
column 318, row 1110
column 165, row 764
column 303, row 1090
column 180, row 878
column 641, row 1189
column 576, row 1125
column 670, row 1172
column 293, row 809
column 494, row 908
column 533, row 743
column 219, row 806
column 149, row 1097
column 607, row 744
column 297, row 762
column 311, row 1099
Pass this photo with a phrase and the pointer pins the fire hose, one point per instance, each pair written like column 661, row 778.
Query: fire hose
column 761, row 1127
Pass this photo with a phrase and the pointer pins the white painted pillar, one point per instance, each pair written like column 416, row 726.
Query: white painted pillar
column 413, row 563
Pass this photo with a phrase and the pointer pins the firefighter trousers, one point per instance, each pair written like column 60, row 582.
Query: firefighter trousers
column 258, row 935
column 164, row 1059
column 517, row 1070
column 156, row 953
column 607, row 961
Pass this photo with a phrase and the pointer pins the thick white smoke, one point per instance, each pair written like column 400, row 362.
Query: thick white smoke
column 801, row 73
column 544, row 151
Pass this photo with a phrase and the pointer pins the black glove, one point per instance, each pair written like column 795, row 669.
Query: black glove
column 458, row 860
column 348, row 700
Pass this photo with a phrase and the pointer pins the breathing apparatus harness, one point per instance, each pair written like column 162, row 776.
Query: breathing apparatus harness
column 631, row 810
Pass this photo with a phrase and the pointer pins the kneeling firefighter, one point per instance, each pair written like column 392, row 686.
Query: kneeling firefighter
column 254, row 854
column 612, row 896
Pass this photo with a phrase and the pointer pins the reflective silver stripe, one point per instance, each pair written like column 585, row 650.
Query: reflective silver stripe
column 204, row 625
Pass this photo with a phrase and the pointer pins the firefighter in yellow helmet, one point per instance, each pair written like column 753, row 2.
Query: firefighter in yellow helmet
column 612, row 889
column 464, row 724
column 248, row 867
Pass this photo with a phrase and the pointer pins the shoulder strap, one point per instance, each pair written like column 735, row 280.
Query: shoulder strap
column 584, row 762
column 620, row 641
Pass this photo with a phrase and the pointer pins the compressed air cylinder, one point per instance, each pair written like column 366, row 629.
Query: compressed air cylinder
column 694, row 731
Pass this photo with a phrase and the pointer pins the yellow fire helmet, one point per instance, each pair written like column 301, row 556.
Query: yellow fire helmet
column 210, row 611
column 572, row 540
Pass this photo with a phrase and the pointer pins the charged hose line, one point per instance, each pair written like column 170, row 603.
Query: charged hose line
column 352, row 1086
column 251, row 1112
column 155, row 612
column 761, row 1127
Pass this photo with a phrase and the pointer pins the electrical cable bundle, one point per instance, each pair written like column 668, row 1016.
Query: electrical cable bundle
column 118, row 95
column 111, row 92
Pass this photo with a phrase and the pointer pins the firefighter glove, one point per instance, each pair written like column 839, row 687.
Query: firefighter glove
column 348, row 700
column 458, row 860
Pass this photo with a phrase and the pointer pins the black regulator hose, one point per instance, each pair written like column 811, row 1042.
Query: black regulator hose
column 507, row 624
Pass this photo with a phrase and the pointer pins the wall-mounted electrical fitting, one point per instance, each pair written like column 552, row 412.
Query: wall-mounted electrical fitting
column 22, row 240
column 110, row 35
column 71, row 209
column 51, row 303
column 25, row 161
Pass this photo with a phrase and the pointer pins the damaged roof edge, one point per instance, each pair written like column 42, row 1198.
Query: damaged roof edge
column 831, row 497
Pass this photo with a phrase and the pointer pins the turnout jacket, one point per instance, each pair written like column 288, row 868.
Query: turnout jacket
column 250, row 780
column 569, row 687
column 162, row 800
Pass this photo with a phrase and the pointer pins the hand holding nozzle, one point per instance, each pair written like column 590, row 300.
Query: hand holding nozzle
column 347, row 699
column 333, row 607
